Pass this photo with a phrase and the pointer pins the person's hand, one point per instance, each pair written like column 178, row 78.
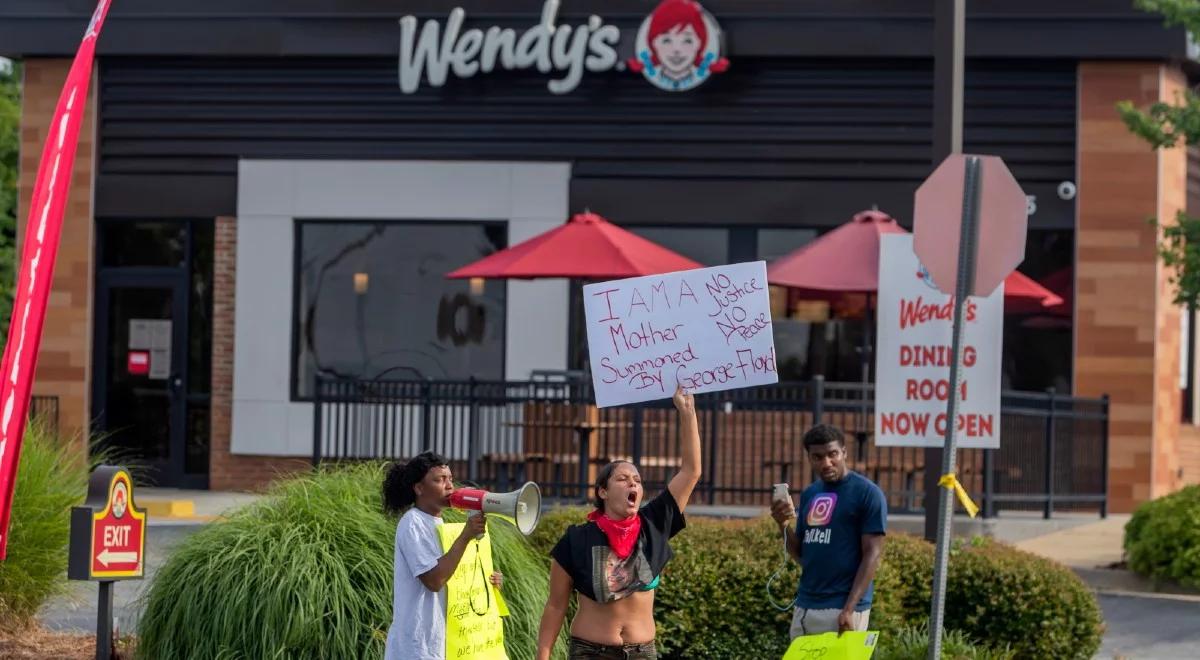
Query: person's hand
column 476, row 525
column 845, row 621
column 684, row 402
column 782, row 511
column 497, row 579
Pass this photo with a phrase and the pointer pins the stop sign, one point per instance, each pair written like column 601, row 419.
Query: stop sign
column 937, row 223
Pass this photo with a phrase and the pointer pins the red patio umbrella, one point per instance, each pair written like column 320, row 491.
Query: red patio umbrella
column 846, row 260
column 586, row 247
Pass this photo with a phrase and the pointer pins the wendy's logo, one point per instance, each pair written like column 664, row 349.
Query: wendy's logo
column 678, row 46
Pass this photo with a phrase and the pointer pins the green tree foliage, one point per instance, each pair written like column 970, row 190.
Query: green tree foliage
column 10, row 126
column 1165, row 125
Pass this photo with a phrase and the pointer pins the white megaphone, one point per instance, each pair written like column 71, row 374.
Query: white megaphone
column 521, row 507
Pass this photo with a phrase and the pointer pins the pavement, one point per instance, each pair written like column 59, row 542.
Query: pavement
column 1144, row 619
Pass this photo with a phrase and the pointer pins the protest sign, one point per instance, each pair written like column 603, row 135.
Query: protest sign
column 831, row 646
column 707, row 329
column 473, row 605
column 913, row 357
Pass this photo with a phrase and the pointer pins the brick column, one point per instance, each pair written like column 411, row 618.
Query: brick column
column 64, row 366
column 1126, row 326
column 228, row 471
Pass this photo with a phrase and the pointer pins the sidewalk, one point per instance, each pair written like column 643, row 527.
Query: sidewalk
column 174, row 506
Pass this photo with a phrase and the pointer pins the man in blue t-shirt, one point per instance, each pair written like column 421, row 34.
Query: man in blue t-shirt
column 838, row 539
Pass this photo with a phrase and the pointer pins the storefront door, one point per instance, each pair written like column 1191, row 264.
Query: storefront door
column 146, row 401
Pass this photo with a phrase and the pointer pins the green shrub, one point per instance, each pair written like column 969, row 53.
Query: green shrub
column 903, row 584
column 1162, row 539
column 51, row 478
column 1036, row 606
column 307, row 573
column 912, row 643
column 712, row 602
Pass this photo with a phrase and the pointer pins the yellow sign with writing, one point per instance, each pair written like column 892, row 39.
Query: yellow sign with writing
column 829, row 646
column 474, row 630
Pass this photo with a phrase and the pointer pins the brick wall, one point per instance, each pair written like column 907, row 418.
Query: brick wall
column 65, row 359
column 1126, row 329
column 229, row 471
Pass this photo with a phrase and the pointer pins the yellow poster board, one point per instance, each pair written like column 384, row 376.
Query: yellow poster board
column 473, row 607
column 828, row 646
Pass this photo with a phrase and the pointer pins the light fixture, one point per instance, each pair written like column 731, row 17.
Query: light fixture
column 361, row 281
column 476, row 284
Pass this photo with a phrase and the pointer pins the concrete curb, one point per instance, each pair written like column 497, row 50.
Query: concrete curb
column 1120, row 582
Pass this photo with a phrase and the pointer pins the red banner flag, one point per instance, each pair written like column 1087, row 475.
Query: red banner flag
column 42, row 229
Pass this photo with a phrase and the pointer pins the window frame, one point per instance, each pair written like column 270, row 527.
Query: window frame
column 297, row 229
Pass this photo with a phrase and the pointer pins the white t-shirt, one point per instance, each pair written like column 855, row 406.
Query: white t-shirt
column 418, row 629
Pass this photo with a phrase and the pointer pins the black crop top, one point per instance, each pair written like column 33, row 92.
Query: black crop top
column 597, row 573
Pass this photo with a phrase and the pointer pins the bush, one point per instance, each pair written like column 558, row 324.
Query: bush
column 1162, row 539
column 307, row 573
column 712, row 602
column 912, row 643
column 51, row 478
column 1006, row 596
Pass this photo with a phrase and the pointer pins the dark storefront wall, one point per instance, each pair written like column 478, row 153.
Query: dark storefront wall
column 771, row 142
column 774, row 150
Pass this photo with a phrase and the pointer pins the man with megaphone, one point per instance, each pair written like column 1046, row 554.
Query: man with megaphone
column 423, row 486
column 615, row 559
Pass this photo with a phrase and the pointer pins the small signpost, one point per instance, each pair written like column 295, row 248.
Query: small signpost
column 108, row 543
column 966, row 198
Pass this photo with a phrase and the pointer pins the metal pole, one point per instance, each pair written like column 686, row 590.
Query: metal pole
column 104, row 622
column 968, row 240
column 318, row 404
column 949, row 28
column 1048, row 505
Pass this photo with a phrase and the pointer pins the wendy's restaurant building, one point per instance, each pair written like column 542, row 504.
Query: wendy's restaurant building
column 269, row 191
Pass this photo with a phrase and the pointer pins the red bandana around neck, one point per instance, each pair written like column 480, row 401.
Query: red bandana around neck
column 622, row 534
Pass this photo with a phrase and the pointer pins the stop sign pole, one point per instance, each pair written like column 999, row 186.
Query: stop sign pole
column 968, row 245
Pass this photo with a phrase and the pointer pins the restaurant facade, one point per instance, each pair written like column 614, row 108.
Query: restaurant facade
column 269, row 191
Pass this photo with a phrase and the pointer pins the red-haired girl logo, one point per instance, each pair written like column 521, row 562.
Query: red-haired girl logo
column 678, row 46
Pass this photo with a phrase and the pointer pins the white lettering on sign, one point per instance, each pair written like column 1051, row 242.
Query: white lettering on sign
column 707, row 329
column 914, row 357
column 569, row 50
column 116, row 535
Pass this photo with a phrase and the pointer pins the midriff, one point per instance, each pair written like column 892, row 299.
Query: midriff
column 626, row 621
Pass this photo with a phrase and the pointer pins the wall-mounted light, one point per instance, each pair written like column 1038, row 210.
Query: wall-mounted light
column 476, row 284
column 361, row 281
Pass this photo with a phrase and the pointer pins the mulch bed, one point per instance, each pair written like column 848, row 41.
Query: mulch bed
column 37, row 643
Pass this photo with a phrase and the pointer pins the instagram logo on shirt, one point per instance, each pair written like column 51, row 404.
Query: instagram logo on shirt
column 820, row 510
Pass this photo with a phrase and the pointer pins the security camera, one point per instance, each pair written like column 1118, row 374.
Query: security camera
column 1066, row 191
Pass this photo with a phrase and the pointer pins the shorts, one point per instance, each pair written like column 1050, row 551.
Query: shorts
column 581, row 649
column 815, row 622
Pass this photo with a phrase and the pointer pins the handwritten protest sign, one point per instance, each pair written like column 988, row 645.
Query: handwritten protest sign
column 912, row 363
column 707, row 329
column 473, row 605
column 829, row 646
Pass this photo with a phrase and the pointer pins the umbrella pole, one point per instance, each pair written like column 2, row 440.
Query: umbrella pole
column 868, row 321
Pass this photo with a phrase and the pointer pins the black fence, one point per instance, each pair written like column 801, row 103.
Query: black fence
column 1053, row 454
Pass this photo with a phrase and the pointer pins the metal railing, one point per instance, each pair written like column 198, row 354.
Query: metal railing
column 1053, row 455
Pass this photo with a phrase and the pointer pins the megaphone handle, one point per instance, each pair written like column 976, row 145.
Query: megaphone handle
column 471, row 514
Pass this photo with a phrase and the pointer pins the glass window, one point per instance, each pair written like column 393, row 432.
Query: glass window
column 143, row 243
column 372, row 301
column 776, row 243
column 707, row 245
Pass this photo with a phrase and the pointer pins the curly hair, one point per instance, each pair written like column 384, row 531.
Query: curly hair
column 602, row 481
column 821, row 435
column 398, row 493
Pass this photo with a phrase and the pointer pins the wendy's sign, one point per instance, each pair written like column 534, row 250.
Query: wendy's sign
column 913, row 357
column 677, row 47
column 707, row 329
